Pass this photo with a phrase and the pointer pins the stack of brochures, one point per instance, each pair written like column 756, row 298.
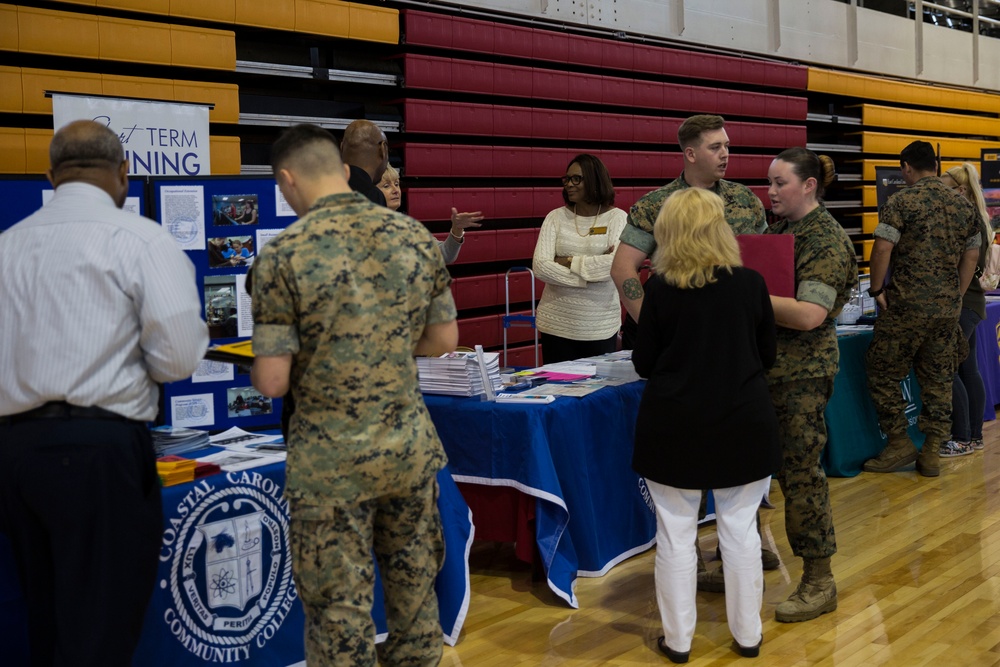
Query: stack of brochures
column 616, row 365
column 458, row 373
column 173, row 440
column 175, row 470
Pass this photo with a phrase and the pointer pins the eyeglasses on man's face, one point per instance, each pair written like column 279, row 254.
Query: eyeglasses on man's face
column 575, row 179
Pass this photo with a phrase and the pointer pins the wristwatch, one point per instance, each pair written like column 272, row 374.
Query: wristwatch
column 872, row 292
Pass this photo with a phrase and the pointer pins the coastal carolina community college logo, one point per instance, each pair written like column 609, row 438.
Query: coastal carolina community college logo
column 230, row 578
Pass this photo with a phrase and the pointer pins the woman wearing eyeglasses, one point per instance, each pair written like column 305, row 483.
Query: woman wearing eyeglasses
column 579, row 314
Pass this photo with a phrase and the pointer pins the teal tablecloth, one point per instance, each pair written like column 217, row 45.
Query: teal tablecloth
column 851, row 423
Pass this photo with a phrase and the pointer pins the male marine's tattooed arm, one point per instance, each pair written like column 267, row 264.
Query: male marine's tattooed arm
column 632, row 289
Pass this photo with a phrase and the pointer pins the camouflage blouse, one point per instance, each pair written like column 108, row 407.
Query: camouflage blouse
column 826, row 269
column 347, row 291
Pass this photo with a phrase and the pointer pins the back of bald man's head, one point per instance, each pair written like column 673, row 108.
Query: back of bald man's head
column 84, row 144
column 361, row 142
column 309, row 150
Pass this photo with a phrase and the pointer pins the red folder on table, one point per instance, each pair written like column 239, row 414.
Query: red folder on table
column 772, row 256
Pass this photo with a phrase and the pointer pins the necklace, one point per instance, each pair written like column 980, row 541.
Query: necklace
column 589, row 231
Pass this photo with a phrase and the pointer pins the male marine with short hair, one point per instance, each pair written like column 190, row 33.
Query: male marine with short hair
column 342, row 301
column 930, row 237
column 705, row 144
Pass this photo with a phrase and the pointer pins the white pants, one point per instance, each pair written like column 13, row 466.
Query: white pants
column 676, row 560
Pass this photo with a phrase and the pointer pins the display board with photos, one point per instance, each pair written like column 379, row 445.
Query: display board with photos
column 23, row 195
column 221, row 222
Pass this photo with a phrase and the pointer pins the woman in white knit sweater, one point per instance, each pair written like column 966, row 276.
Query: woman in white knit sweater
column 579, row 314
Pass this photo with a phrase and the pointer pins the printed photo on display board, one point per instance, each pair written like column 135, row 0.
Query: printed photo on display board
column 247, row 402
column 234, row 210
column 221, row 312
column 226, row 252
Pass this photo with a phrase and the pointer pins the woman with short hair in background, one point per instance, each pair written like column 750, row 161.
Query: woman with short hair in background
column 451, row 246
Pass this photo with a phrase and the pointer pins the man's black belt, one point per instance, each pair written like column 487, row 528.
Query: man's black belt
column 62, row 410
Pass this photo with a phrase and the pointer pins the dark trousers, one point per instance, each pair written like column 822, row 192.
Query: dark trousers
column 968, row 394
column 556, row 349
column 80, row 502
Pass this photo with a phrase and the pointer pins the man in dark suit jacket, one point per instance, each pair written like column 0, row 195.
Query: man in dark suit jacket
column 366, row 150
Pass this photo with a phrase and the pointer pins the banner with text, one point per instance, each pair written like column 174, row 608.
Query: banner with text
column 160, row 138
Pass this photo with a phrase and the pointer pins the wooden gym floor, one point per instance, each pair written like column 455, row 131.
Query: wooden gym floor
column 918, row 577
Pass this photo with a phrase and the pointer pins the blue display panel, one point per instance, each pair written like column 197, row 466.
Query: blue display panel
column 23, row 195
column 221, row 222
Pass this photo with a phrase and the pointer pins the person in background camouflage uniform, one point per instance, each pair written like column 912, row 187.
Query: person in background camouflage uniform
column 801, row 381
column 342, row 301
column 705, row 145
column 931, row 235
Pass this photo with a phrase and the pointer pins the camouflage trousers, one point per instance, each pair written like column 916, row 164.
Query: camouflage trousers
column 934, row 348
column 334, row 573
column 800, row 407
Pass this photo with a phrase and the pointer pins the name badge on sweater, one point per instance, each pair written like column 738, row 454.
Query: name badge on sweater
column 597, row 231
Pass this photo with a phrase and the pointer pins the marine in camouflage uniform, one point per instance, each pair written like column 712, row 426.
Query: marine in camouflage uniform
column 931, row 229
column 347, row 291
column 801, row 380
column 744, row 212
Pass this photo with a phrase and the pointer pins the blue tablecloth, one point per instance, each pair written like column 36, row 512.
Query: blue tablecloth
column 988, row 351
column 211, row 605
column 574, row 456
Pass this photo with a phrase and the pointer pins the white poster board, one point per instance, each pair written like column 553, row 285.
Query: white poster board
column 159, row 138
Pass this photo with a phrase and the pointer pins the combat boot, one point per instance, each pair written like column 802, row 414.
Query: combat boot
column 815, row 595
column 929, row 461
column 898, row 453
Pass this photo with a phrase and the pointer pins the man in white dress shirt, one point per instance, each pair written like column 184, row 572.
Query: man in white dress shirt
column 99, row 305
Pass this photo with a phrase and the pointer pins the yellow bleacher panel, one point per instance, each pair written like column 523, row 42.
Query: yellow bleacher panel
column 11, row 150
column 222, row 11
column 869, row 196
column 201, row 47
column 225, row 97
column 138, row 87
column 374, row 24
column 274, row 14
column 323, row 17
column 11, row 98
column 866, row 249
column 892, row 144
column 869, row 221
column 135, row 41
column 928, row 121
column 36, row 150
column 161, row 7
column 8, row 28
column 901, row 92
column 34, row 83
column 57, row 33
column 225, row 155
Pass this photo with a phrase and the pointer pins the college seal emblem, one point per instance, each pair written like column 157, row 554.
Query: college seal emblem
column 230, row 578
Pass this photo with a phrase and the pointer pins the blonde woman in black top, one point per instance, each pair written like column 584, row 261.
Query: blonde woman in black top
column 705, row 337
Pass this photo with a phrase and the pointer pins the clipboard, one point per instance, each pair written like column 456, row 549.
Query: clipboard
column 772, row 256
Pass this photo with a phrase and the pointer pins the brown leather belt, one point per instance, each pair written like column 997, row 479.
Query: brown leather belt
column 62, row 410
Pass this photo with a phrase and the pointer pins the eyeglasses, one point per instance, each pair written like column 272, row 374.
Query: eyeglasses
column 575, row 179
